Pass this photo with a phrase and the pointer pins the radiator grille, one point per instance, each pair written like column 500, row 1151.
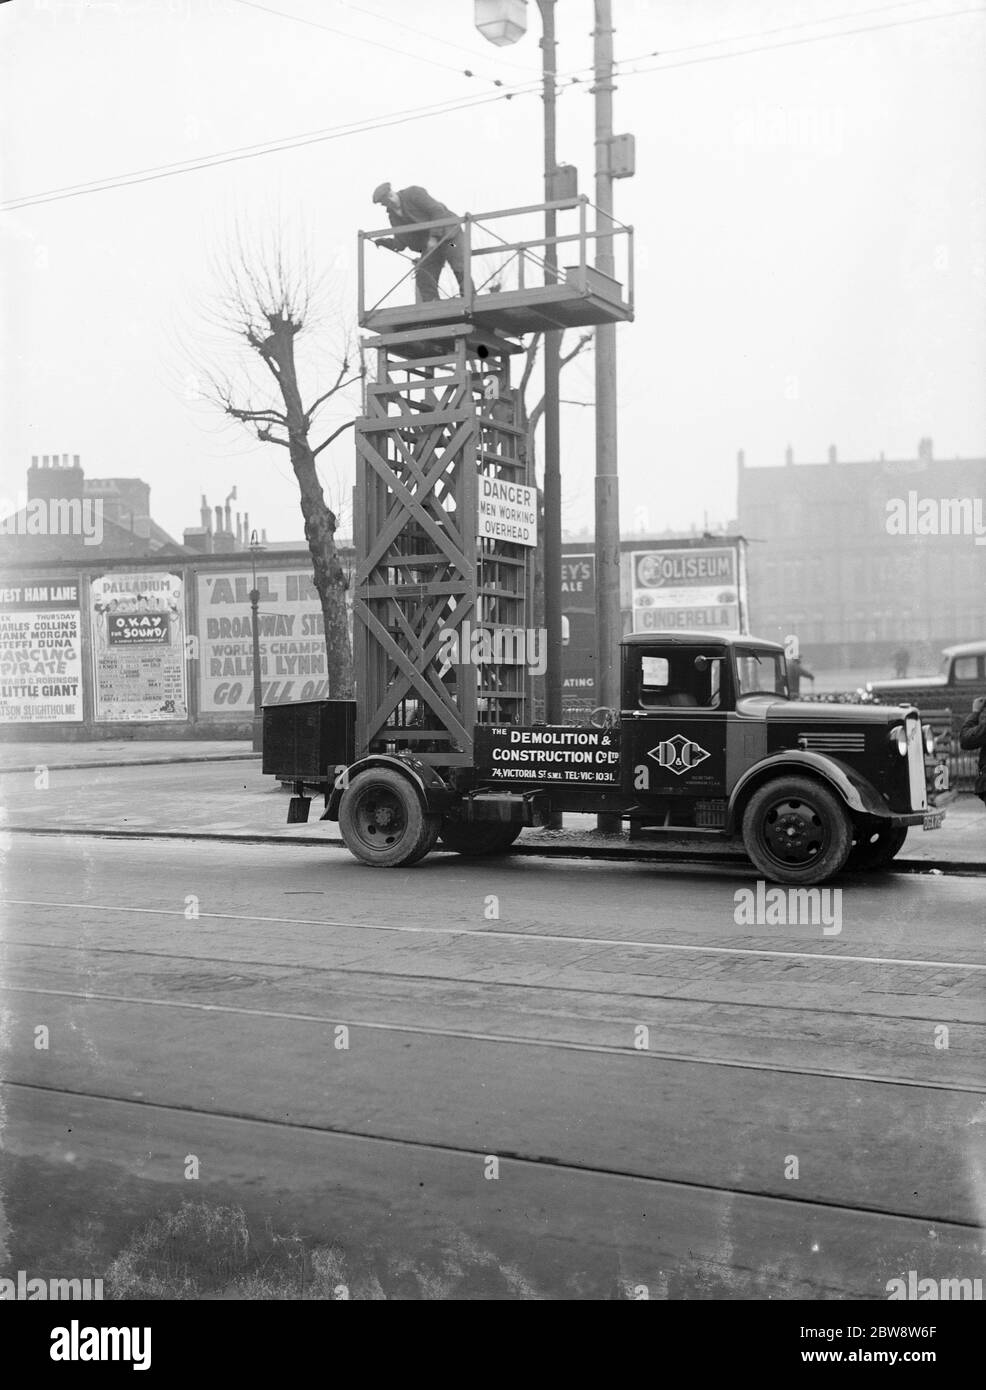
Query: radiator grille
column 841, row 742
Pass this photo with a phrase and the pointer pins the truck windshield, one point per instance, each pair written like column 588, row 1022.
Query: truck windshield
column 760, row 673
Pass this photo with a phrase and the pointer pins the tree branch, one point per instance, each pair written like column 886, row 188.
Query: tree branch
column 339, row 386
column 267, row 436
column 334, row 435
column 586, row 338
column 529, row 360
column 269, row 417
column 538, row 411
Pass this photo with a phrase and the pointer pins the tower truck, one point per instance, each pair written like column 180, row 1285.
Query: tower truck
column 441, row 746
column 706, row 746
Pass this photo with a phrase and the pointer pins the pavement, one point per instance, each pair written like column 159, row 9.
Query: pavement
column 135, row 788
column 522, row 1079
column 25, row 757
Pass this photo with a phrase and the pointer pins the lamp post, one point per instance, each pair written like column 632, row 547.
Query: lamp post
column 256, row 549
column 504, row 22
column 607, row 483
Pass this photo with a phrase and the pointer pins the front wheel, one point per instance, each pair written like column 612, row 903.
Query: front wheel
column 796, row 831
column 875, row 848
column 478, row 839
column 383, row 820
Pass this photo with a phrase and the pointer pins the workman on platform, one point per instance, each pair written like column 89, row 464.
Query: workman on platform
column 435, row 247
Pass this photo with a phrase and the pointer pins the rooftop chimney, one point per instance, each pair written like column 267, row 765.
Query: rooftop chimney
column 789, row 456
column 55, row 478
column 741, row 459
column 832, row 454
column 925, row 453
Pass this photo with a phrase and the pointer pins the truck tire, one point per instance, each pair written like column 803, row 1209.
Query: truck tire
column 875, row 848
column 796, row 831
column 383, row 820
column 478, row 839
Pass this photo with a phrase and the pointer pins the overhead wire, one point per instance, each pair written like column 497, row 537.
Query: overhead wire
column 435, row 38
column 360, row 38
column 153, row 173
column 778, row 29
column 794, row 43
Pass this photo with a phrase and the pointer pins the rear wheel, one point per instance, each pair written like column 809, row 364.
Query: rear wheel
column 384, row 821
column 478, row 839
column 796, row 831
column 875, row 848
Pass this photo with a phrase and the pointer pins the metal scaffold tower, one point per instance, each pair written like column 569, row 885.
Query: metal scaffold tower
column 441, row 602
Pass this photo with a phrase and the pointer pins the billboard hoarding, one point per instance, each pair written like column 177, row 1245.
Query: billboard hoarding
column 138, row 645
column 293, row 663
column 688, row 588
column 578, row 604
column 40, row 652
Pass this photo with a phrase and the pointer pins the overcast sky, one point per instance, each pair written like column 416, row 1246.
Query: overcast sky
column 809, row 210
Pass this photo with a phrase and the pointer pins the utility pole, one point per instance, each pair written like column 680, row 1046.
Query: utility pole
column 552, row 370
column 607, row 492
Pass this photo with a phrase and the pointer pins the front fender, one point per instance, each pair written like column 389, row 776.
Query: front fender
column 857, row 793
column 435, row 793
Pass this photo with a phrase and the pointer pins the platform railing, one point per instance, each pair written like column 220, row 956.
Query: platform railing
column 496, row 262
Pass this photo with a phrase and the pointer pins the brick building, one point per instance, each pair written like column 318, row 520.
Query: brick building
column 825, row 562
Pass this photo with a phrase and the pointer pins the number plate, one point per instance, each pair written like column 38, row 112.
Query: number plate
column 933, row 820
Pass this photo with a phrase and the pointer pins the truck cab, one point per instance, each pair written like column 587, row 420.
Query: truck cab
column 711, row 740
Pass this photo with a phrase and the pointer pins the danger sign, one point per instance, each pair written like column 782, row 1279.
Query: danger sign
column 507, row 512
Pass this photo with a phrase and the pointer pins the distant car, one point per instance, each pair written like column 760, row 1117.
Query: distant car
column 961, row 679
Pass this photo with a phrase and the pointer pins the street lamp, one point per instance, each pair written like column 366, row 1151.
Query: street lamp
column 607, row 504
column 501, row 21
column 256, row 549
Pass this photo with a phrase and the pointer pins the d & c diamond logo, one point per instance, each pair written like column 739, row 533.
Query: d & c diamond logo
column 679, row 754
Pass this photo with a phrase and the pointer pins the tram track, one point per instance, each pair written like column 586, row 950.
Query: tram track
column 501, row 934
column 423, row 977
column 920, row 1219
column 518, row 1040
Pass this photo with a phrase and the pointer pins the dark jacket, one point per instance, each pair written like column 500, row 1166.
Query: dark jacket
column 417, row 205
column 973, row 735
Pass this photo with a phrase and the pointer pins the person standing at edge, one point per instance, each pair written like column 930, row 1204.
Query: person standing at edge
column 434, row 247
column 973, row 735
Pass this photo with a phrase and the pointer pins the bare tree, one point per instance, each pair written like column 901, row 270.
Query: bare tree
column 268, row 301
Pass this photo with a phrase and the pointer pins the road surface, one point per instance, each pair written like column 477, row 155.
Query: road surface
column 519, row 1078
